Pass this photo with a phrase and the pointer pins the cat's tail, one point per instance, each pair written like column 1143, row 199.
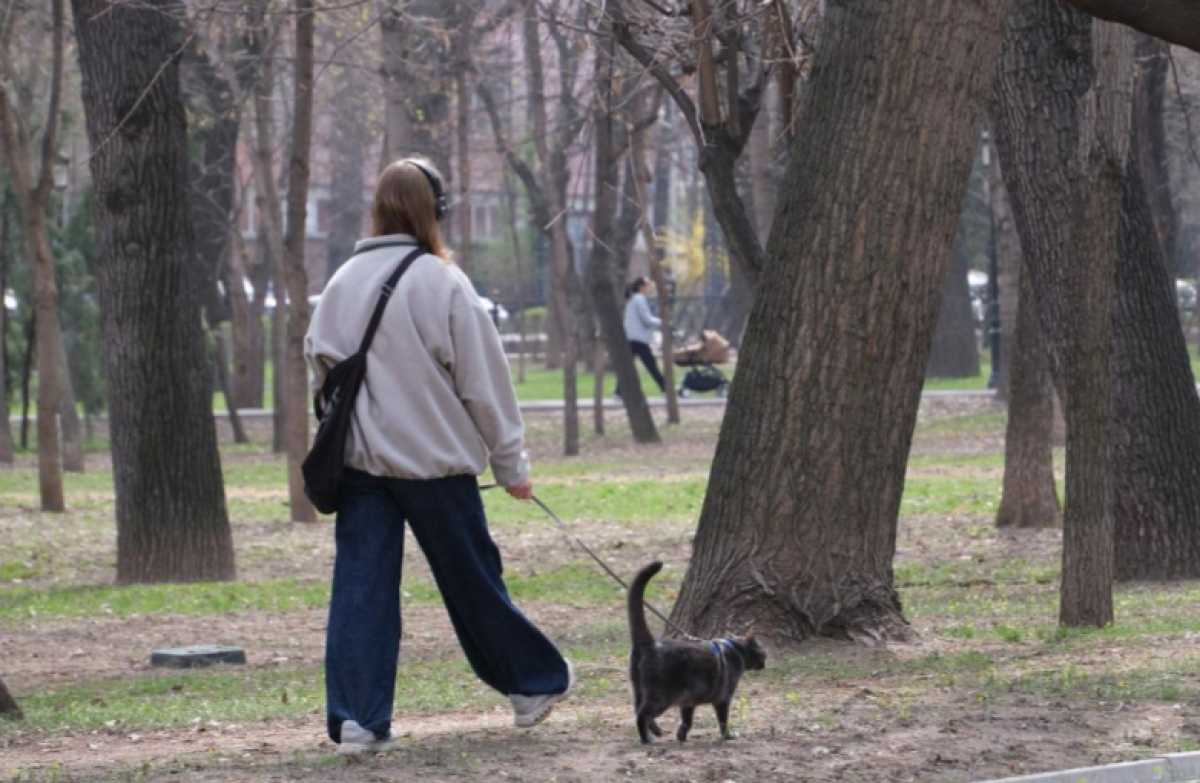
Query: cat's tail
column 638, row 628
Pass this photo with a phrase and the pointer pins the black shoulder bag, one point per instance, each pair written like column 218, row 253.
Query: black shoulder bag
column 334, row 406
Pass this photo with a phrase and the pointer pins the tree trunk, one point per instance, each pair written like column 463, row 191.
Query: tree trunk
column 27, row 374
column 246, row 330
column 171, row 517
column 8, row 705
column 295, row 381
column 33, row 196
column 1029, row 497
column 1063, row 166
column 1008, row 262
column 221, row 362
column 6, row 439
column 602, row 282
column 462, row 92
column 1156, row 449
column 798, row 528
column 554, row 186
column 1150, row 142
column 349, row 147
column 955, row 351
column 72, row 427
column 653, row 228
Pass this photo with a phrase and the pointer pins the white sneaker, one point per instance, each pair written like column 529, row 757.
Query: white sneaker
column 356, row 739
column 532, row 710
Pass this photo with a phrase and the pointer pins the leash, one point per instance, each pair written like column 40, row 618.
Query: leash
column 574, row 539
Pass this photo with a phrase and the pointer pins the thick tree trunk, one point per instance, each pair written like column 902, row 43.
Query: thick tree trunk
column 171, row 517
column 1150, row 142
column 1156, row 449
column 295, row 381
column 1029, row 497
column 1063, row 167
column 798, row 528
column 955, row 351
column 8, row 705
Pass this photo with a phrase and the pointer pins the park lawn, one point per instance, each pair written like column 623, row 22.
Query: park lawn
column 989, row 686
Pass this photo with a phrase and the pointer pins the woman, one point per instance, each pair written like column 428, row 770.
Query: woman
column 437, row 407
column 640, row 325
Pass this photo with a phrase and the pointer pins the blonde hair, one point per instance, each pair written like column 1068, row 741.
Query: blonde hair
column 404, row 204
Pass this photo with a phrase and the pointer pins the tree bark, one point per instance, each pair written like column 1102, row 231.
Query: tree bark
column 798, row 528
column 33, row 198
column 1029, row 497
column 246, row 327
column 221, row 363
column 8, row 705
column 171, row 518
column 295, row 382
column 1156, row 449
column 1150, row 142
column 1063, row 166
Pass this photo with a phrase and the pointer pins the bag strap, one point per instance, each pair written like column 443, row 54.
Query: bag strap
column 386, row 293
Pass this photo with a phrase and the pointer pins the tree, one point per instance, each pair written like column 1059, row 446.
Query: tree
column 1156, row 418
column 602, row 282
column 33, row 191
column 955, row 352
column 8, row 705
column 798, row 527
column 1029, row 496
column 170, row 502
column 1064, row 168
column 294, row 274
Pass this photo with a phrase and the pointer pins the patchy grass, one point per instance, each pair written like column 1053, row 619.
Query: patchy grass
column 990, row 686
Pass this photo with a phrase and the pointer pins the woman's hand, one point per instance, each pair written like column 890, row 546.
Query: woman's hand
column 521, row 491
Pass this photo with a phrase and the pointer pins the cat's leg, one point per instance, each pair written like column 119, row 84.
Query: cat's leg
column 722, row 709
column 638, row 706
column 685, row 723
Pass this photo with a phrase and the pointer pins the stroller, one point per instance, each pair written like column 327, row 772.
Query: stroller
column 700, row 356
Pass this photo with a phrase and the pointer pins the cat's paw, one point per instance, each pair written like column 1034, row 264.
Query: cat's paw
column 655, row 729
column 729, row 734
column 681, row 734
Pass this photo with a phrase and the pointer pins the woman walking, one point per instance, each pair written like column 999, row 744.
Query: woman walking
column 640, row 325
column 436, row 408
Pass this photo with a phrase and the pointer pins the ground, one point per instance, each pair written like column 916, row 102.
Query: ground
column 988, row 687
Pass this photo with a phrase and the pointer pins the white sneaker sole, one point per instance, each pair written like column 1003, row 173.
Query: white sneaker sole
column 529, row 721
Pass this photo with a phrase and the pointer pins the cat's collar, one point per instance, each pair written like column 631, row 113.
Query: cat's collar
column 718, row 644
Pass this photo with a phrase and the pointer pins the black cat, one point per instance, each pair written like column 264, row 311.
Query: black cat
column 677, row 673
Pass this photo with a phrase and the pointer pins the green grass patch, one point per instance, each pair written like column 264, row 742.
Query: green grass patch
column 578, row 584
column 944, row 495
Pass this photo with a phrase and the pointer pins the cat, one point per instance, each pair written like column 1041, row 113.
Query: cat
column 677, row 673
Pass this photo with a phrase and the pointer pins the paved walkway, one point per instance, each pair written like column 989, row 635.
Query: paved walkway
column 1169, row 768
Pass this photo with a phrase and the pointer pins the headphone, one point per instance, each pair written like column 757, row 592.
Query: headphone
column 440, row 207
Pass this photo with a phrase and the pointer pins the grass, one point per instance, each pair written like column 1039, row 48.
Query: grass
column 984, row 604
column 574, row 584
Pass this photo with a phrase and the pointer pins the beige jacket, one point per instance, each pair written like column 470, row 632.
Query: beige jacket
column 438, row 398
